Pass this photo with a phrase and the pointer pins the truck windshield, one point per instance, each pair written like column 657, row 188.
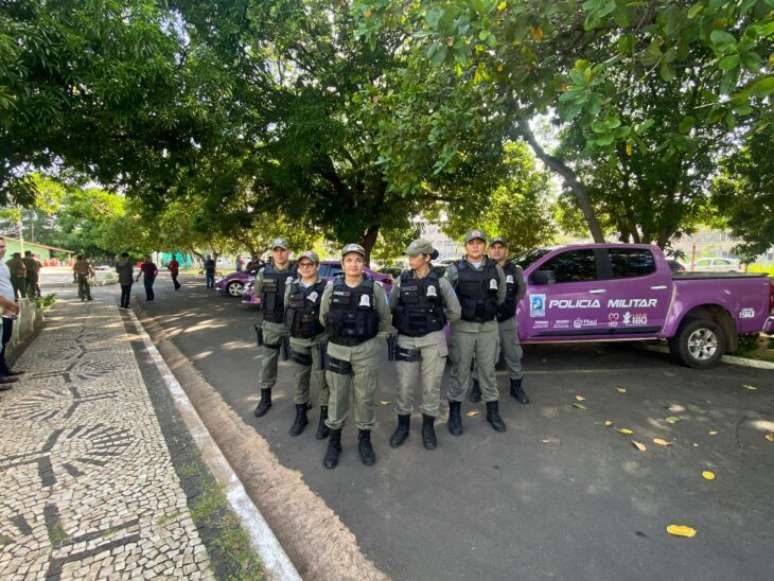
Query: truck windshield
column 531, row 256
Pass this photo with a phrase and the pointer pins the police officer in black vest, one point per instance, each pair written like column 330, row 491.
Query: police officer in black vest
column 307, row 341
column 515, row 289
column 270, row 286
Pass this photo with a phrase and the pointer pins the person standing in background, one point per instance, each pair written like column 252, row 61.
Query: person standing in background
column 82, row 270
column 148, row 271
column 10, row 310
column 18, row 275
column 125, row 270
column 209, row 271
column 33, row 270
column 174, row 271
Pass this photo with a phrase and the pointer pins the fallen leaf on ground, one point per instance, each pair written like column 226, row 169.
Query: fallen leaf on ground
column 661, row 442
column 472, row 413
column 708, row 474
column 580, row 398
column 748, row 386
column 695, row 445
column 625, row 431
column 713, row 433
column 639, row 445
column 672, row 419
column 608, row 423
column 580, row 406
column 681, row 531
column 675, row 408
column 546, row 441
column 620, row 389
column 385, row 402
column 769, row 437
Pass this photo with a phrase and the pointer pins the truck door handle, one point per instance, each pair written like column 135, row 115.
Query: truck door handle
column 597, row 291
column 659, row 287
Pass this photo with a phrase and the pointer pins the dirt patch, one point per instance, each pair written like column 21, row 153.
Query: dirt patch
column 318, row 543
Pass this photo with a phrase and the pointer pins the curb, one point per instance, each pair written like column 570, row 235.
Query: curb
column 275, row 561
column 729, row 359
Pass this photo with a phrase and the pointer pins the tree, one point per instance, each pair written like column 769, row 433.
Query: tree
column 657, row 81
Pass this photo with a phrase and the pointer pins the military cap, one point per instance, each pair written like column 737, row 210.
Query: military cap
column 475, row 234
column 499, row 240
column 420, row 246
column 353, row 248
column 309, row 255
column 279, row 243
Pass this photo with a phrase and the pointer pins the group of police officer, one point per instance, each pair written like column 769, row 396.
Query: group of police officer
column 332, row 329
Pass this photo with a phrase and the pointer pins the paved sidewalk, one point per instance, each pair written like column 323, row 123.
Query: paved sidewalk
column 88, row 487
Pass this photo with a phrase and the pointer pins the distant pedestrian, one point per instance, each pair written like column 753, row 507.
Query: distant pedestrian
column 40, row 266
column 18, row 275
column 33, row 270
column 10, row 310
column 209, row 271
column 82, row 272
column 239, row 264
column 174, row 270
column 148, row 271
column 125, row 270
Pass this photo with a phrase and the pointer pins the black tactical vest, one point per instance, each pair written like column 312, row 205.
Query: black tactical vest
column 477, row 290
column 352, row 318
column 508, row 308
column 420, row 305
column 273, row 293
column 303, row 309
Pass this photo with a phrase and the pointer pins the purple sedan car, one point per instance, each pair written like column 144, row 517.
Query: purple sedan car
column 232, row 285
column 329, row 269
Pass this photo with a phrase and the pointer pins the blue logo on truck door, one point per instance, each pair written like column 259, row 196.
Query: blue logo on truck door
column 537, row 305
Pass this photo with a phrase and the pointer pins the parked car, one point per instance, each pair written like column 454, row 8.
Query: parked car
column 232, row 285
column 329, row 269
column 675, row 266
column 628, row 292
column 717, row 264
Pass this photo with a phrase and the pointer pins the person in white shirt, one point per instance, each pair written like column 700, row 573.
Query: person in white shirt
column 10, row 310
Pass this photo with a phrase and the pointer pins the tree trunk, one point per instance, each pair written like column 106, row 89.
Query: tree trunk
column 368, row 241
column 570, row 178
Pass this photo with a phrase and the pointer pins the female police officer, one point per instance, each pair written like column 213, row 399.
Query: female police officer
column 307, row 338
column 354, row 311
column 422, row 303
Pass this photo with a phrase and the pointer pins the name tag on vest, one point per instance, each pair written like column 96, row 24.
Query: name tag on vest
column 509, row 279
column 492, row 284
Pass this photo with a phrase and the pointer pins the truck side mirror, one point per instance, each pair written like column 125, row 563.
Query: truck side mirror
column 543, row 277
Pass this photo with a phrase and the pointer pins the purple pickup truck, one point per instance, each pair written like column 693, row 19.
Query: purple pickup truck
column 628, row 292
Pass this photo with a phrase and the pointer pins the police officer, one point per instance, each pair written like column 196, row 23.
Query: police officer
column 480, row 286
column 354, row 311
column 270, row 286
column 307, row 340
column 515, row 288
column 422, row 303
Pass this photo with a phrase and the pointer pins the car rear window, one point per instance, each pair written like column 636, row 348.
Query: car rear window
column 631, row 262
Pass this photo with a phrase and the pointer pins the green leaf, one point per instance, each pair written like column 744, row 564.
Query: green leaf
column 694, row 11
column 667, row 72
column 686, row 125
column 613, row 122
column 722, row 38
column 752, row 61
column 598, row 126
column 730, row 120
column 743, row 110
column 729, row 62
column 439, row 56
column 762, row 87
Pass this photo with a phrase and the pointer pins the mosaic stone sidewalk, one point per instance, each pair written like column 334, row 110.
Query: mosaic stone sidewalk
column 87, row 487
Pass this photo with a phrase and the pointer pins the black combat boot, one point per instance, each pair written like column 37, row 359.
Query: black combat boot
column 333, row 452
column 367, row 455
column 300, row 423
column 455, row 418
column 428, row 432
column 401, row 432
column 322, row 429
column 493, row 416
column 518, row 392
column 475, row 392
column 265, row 403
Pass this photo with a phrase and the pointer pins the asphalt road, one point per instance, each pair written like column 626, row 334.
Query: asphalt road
column 559, row 495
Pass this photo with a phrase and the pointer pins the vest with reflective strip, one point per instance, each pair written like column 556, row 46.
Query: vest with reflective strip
column 420, row 305
column 477, row 291
column 303, row 310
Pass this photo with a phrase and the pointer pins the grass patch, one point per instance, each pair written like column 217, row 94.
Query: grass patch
column 760, row 347
column 46, row 302
column 5, row 540
column 167, row 518
column 58, row 536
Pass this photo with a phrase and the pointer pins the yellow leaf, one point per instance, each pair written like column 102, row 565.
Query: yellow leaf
column 502, row 6
column 385, row 402
column 769, row 437
column 608, row 423
column 713, row 433
column 580, row 398
column 750, row 387
column 472, row 413
column 625, row 431
column 500, row 67
column 629, row 149
column 708, row 474
column 537, row 33
column 620, row 389
column 681, row 531
column 661, row 442
column 580, row 406
column 639, row 445
column 368, row 13
column 672, row 419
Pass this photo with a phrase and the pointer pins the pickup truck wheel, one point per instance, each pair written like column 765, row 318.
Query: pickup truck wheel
column 699, row 343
